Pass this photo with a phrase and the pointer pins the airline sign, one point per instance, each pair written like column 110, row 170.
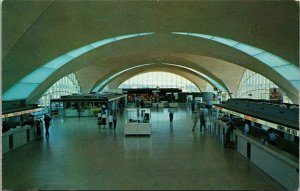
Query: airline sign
column 260, row 121
column 20, row 113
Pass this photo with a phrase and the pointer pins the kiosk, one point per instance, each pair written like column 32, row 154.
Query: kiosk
column 138, row 121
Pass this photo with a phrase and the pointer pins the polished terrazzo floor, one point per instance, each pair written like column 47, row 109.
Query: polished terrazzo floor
column 79, row 155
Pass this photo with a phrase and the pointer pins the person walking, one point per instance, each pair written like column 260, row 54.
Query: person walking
column 38, row 128
column 99, row 119
column 110, row 121
column 202, row 121
column 103, row 117
column 228, row 133
column 171, row 114
column 193, row 106
column 47, row 120
column 115, row 121
column 195, row 119
column 205, row 110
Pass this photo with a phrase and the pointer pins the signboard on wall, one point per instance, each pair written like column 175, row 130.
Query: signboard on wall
column 276, row 94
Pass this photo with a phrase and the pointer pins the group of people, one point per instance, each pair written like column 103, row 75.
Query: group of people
column 112, row 119
column 203, row 118
column 37, row 123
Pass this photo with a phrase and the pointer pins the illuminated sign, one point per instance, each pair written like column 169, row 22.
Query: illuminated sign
column 20, row 113
column 260, row 121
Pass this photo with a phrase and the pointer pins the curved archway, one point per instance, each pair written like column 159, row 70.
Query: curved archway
column 214, row 81
column 200, row 83
column 280, row 65
column 32, row 87
column 39, row 75
column 161, row 79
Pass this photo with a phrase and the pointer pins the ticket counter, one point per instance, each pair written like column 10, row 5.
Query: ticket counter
column 280, row 165
column 21, row 127
column 20, row 136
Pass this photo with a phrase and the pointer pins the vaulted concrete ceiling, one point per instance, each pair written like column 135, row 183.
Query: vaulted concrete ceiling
column 196, row 79
column 35, row 32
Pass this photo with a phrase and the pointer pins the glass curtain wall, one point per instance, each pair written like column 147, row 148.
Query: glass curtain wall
column 256, row 86
column 209, row 87
column 65, row 86
column 161, row 80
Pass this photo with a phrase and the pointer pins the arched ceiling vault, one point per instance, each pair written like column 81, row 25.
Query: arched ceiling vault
column 194, row 78
column 159, row 62
column 185, row 48
column 197, row 79
column 37, row 32
column 270, row 25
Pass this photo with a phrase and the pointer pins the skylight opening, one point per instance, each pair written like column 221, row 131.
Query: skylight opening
column 250, row 50
column 42, row 73
column 102, row 42
column 38, row 75
column 290, row 72
column 58, row 62
column 226, row 41
column 19, row 91
column 271, row 59
column 79, row 51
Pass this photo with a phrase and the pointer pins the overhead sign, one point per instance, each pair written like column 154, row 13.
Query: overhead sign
column 260, row 121
column 20, row 112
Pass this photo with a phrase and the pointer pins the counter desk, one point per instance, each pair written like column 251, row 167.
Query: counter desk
column 19, row 136
column 278, row 164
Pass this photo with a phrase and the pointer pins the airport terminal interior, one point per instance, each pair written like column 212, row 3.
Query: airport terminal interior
column 150, row 95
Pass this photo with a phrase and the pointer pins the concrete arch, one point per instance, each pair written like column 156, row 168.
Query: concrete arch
column 199, row 81
column 158, row 67
column 157, row 63
column 34, row 33
column 225, row 53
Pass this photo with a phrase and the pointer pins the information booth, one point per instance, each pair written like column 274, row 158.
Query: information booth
column 138, row 121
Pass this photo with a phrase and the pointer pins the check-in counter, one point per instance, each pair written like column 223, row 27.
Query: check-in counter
column 280, row 165
column 19, row 136
column 5, row 142
column 218, row 127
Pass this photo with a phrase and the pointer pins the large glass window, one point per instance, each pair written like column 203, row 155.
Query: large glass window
column 161, row 80
column 256, row 86
column 65, row 86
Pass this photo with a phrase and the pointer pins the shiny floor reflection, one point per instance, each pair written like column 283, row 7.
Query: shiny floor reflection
column 80, row 155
